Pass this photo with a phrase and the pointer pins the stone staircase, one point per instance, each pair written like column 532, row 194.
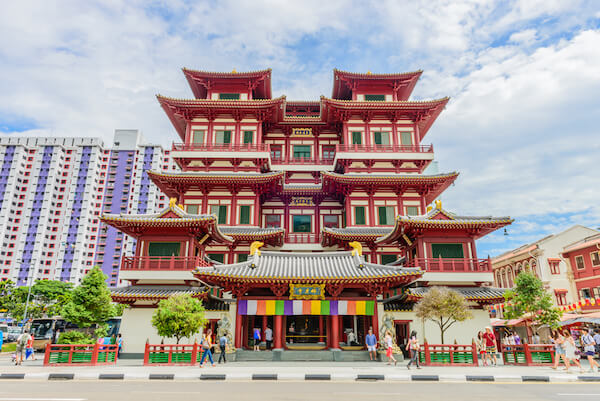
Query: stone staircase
column 301, row 355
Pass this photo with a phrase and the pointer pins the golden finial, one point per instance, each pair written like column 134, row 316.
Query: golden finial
column 234, row 71
column 357, row 248
column 254, row 247
column 369, row 73
column 438, row 204
column 429, row 208
column 172, row 202
column 180, row 206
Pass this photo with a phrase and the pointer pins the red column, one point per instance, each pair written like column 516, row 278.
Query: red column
column 238, row 329
column 375, row 322
column 277, row 332
column 372, row 221
column 317, row 221
column 335, row 331
column 394, row 134
column 237, row 133
column 233, row 217
column 264, row 326
column 257, row 221
column 320, row 328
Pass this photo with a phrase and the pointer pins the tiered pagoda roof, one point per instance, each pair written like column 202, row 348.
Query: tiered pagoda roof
column 481, row 295
column 341, row 236
column 131, row 294
column 270, row 236
column 401, row 83
column 259, row 81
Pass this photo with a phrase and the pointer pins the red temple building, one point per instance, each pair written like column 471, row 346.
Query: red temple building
column 313, row 218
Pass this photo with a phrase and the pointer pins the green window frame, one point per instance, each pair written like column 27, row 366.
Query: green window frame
column 229, row 96
column 164, row 248
column 447, row 251
column 198, row 136
column 381, row 138
column 406, row 138
column 217, row 257
column 412, row 210
column 302, row 151
column 359, row 216
column 375, row 98
column 248, row 137
column 301, row 223
column 356, row 138
column 386, row 215
column 223, row 137
column 192, row 209
column 242, row 257
column 244, row 214
column 221, row 212
column 386, row 259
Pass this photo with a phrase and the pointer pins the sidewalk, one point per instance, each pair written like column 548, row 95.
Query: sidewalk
column 129, row 369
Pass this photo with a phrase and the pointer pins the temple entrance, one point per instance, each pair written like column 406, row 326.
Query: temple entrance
column 354, row 330
column 305, row 331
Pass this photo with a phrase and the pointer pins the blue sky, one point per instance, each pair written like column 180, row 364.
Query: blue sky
column 523, row 77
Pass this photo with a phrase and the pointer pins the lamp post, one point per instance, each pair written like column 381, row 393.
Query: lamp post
column 31, row 264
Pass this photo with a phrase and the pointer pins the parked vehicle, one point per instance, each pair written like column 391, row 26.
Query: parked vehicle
column 44, row 330
column 13, row 334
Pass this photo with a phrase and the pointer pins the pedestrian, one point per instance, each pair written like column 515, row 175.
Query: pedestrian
column 269, row 337
column 206, row 345
column 480, row 344
column 1, row 339
column 490, row 345
column 22, row 346
column 571, row 351
column 371, row 342
column 559, row 349
column 596, row 337
column 389, row 352
column 256, row 337
column 29, row 352
column 516, row 338
column 223, row 347
column 120, row 343
column 535, row 339
column 415, row 348
column 351, row 338
column 589, row 348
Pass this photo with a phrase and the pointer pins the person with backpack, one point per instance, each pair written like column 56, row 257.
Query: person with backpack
column 206, row 345
column 415, row 348
column 589, row 348
column 29, row 351
column 22, row 346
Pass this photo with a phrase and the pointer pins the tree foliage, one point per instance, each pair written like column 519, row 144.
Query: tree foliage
column 75, row 337
column 444, row 307
column 179, row 316
column 47, row 298
column 530, row 299
column 90, row 302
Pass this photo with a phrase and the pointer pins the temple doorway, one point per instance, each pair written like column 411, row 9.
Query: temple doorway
column 305, row 331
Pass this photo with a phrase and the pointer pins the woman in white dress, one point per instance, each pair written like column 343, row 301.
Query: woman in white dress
column 570, row 348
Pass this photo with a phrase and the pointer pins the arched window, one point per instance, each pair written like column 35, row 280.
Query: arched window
column 510, row 277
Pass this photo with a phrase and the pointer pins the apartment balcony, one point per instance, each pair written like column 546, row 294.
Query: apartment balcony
column 151, row 263
column 443, row 265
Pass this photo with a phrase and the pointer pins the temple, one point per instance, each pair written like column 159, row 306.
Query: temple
column 315, row 218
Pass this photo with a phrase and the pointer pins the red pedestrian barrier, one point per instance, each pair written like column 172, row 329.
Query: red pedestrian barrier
column 528, row 354
column 81, row 354
column 172, row 354
column 449, row 354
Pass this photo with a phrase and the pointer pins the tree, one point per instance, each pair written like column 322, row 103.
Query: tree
column 90, row 302
column 179, row 316
column 530, row 299
column 444, row 307
column 53, row 295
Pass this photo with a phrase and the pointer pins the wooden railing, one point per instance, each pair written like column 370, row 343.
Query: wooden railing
column 222, row 147
column 384, row 148
column 528, row 354
column 462, row 265
column 81, row 354
column 172, row 354
column 302, row 161
column 162, row 262
column 301, row 238
column 449, row 354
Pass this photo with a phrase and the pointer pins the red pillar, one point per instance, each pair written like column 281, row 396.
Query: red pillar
column 238, row 330
column 335, row 331
column 320, row 328
column 277, row 332
column 264, row 326
column 375, row 322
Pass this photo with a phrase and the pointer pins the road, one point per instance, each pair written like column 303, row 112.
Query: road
column 291, row 391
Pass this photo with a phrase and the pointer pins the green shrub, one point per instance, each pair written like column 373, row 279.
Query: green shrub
column 75, row 337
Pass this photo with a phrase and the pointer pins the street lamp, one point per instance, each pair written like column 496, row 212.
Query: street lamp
column 31, row 264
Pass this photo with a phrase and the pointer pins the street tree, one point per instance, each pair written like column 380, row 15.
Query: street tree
column 444, row 307
column 529, row 299
column 52, row 295
column 179, row 316
column 90, row 302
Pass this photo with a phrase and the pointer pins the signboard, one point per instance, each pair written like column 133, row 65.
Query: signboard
column 302, row 201
column 301, row 132
column 307, row 291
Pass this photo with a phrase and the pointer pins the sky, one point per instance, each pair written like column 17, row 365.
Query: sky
column 523, row 79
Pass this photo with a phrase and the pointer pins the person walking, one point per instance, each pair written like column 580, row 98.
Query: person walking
column 570, row 351
column 480, row 344
column 389, row 352
column 516, row 338
column 206, row 348
column 596, row 337
column 1, row 339
column 535, row 339
column 414, row 347
column 223, row 347
column 269, row 337
column 490, row 345
column 120, row 343
column 22, row 346
column 256, row 336
column 371, row 342
column 589, row 348
column 559, row 350
column 29, row 351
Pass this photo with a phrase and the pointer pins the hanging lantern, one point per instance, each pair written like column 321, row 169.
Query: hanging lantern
column 587, row 301
column 592, row 301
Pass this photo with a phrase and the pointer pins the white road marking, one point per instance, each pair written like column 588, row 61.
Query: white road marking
column 577, row 394
column 43, row 399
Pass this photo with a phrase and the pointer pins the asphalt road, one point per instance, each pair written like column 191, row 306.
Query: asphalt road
column 291, row 391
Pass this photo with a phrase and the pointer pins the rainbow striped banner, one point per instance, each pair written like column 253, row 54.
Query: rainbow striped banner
column 305, row 307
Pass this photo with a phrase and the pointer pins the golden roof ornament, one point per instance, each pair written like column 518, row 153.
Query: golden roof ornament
column 369, row 72
column 255, row 247
column 438, row 204
column 429, row 208
column 172, row 202
column 357, row 248
column 234, row 71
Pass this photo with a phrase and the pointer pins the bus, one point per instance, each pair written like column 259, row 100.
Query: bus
column 45, row 330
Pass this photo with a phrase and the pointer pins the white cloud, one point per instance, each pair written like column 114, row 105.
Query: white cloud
column 526, row 37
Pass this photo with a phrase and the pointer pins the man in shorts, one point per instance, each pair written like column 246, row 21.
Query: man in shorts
column 490, row 345
column 22, row 346
column 589, row 348
column 371, row 342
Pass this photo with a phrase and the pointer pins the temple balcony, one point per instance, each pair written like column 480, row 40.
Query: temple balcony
column 302, row 238
column 301, row 163
column 454, row 270
column 149, row 268
column 220, row 150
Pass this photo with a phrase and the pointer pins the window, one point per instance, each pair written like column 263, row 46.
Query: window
column 381, row 138
column 328, row 152
column 248, row 136
column 301, row 224
column 242, row 257
column 375, row 98
column 192, row 209
column 595, row 256
column 330, row 221
column 359, row 215
column 579, row 262
column 387, row 259
column 273, row 220
column 217, row 257
column 223, row 137
column 561, row 298
column 276, row 152
column 386, row 215
column 554, row 266
column 596, row 292
column 163, row 248
column 357, row 138
column 406, row 138
column 229, row 96
column 245, row 214
column 585, row 293
column 221, row 212
column 447, row 251
column 412, row 210
column 301, row 151
column 197, row 136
